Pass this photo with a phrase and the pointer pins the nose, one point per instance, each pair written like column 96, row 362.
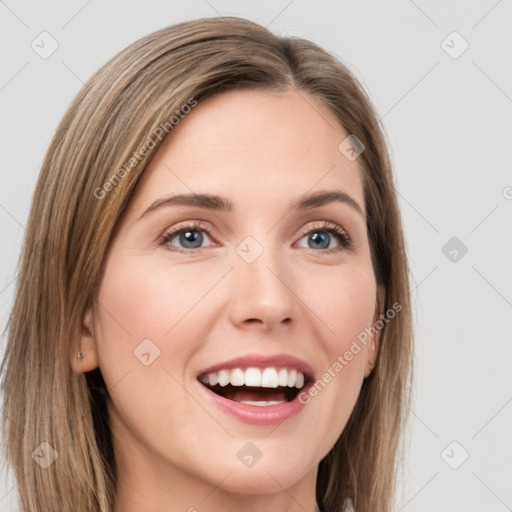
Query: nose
column 262, row 292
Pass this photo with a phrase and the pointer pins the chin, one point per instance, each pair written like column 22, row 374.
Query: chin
column 261, row 481
column 271, row 473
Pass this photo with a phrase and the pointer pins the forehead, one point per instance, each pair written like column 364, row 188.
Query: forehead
column 255, row 146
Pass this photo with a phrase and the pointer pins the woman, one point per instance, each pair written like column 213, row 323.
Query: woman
column 212, row 310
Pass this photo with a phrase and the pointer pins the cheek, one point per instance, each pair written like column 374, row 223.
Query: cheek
column 345, row 302
column 345, row 306
column 143, row 301
column 147, row 331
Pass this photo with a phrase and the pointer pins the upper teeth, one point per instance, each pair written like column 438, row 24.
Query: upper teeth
column 258, row 377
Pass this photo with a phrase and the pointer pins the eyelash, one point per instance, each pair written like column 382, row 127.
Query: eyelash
column 343, row 238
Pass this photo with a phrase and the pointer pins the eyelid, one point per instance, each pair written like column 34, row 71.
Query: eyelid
column 187, row 225
column 322, row 225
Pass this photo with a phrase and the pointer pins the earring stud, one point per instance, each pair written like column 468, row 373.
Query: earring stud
column 80, row 355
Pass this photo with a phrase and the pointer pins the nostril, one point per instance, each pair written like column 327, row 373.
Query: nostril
column 254, row 320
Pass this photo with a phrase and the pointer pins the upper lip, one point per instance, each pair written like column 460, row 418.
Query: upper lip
column 261, row 361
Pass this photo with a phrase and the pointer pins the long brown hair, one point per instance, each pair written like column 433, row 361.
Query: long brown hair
column 87, row 178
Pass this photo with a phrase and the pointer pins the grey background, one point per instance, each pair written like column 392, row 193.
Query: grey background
column 450, row 128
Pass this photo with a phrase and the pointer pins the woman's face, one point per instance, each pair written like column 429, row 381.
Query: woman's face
column 252, row 277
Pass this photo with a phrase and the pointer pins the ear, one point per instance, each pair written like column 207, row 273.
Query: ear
column 373, row 345
column 86, row 345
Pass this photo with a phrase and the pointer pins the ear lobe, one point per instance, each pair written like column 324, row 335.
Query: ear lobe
column 373, row 348
column 86, row 345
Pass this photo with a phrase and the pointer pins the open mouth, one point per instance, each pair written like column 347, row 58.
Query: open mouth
column 252, row 395
column 256, row 387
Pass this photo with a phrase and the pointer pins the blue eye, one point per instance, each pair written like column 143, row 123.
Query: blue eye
column 191, row 236
column 320, row 238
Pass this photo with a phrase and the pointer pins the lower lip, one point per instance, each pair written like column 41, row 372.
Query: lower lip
column 255, row 414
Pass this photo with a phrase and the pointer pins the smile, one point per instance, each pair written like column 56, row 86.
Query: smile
column 256, row 386
column 257, row 393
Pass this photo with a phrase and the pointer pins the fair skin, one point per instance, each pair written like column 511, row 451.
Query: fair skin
column 175, row 450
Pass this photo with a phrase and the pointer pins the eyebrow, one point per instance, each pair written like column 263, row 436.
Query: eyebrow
column 218, row 203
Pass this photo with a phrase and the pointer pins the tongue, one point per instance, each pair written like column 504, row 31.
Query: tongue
column 255, row 396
